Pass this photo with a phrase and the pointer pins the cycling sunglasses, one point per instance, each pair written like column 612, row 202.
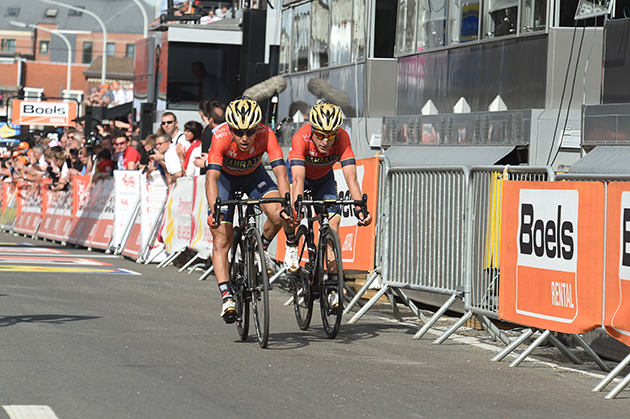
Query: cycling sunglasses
column 242, row 132
column 323, row 136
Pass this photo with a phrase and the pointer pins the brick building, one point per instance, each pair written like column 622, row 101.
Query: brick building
column 32, row 57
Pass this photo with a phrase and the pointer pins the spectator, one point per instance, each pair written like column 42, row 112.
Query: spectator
column 107, row 95
column 120, row 97
column 222, row 12
column 169, row 125
column 86, row 157
column 213, row 115
column 129, row 93
column 171, row 161
column 192, row 130
column 104, row 165
column 128, row 157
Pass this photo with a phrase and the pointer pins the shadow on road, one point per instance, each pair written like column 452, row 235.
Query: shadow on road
column 42, row 318
column 348, row 334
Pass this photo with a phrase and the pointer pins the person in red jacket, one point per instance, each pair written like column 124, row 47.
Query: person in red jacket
column 128, row 157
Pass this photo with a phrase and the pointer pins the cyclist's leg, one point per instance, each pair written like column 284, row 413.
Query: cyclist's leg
column 221, row 242
column 262, row 186
column 326, row 188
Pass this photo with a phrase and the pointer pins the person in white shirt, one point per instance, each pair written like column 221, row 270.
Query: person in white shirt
column 120, row 97
column 171, row 161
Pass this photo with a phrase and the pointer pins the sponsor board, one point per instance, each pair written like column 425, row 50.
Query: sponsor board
column 617, row 291
column 46, row 113
column 552, row 251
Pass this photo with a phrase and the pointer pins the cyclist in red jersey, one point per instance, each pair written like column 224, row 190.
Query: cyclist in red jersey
column 315, row 148
column 234, row 162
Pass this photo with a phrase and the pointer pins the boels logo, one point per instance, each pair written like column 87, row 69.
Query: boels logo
column 45, row 113
column 547, row 236
column 547, row 252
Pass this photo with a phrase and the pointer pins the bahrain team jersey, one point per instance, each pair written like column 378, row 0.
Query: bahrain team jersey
column 303, row 152
column 225, row 155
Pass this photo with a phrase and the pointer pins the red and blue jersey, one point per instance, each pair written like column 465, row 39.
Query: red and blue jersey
column 224, row 154
column 303, row 152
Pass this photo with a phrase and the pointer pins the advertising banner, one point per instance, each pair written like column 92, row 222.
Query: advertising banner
column 357, row 243
column 552, row 254
column 127, row 196
column 101, row 234
column 177, row 221
column 617, row 292
column 63, row 217
column 80, row 226
column 98, row 201
column 201, row 238
column 46, row 113
column 154, row 193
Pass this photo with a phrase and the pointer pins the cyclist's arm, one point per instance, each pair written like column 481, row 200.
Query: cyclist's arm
column 298, row 173
column 350, row 174
column 212, row 191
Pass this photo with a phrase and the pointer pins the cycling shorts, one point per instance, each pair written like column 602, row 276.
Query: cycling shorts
column 256, row 185
column 323, row 188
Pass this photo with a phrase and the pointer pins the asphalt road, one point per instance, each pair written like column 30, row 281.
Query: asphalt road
column 89, row 344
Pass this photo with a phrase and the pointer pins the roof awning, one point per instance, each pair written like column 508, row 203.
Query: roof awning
column 447, row 155
column 604, row 160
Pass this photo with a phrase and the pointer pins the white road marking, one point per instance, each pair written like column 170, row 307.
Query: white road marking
column 29, row 412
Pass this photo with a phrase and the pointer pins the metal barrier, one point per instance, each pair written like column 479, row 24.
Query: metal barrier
column 423, row 243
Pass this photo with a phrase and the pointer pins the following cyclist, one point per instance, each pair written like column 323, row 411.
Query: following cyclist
column 234, row 163
column 315, row 148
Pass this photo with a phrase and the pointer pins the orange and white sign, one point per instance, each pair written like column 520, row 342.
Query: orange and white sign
column 552, row 253
column 357, row 243
column 617, row 292
column 46, row 113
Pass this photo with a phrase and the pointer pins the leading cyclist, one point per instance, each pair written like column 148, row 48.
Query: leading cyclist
column 234, row 163
column 315, row 148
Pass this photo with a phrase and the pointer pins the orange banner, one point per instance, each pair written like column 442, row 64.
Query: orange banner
column 46, row 113
column 357, row 243
column 617, row 292
column 552, row 254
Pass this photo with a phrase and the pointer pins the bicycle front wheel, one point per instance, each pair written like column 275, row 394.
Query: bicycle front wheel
column 301, row 283
column 239, row 289
column 330, row 282
column 259, row 285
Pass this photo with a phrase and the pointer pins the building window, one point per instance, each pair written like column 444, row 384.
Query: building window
column 8, row 45
column 130, row 51
column 87, row 52
column 74, row 12
column 51, row 13
column 12, row 12
column 111, row 49
column 285, row 41
column 44, row 47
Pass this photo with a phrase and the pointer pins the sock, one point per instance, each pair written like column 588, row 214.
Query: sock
column 224, row 289
column 291, row 239
column 265, row 241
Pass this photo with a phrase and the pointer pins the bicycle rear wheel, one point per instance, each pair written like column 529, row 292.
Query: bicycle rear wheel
column 330, row 282
column 301, row 283
column 237, row 281
column 259, row 285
